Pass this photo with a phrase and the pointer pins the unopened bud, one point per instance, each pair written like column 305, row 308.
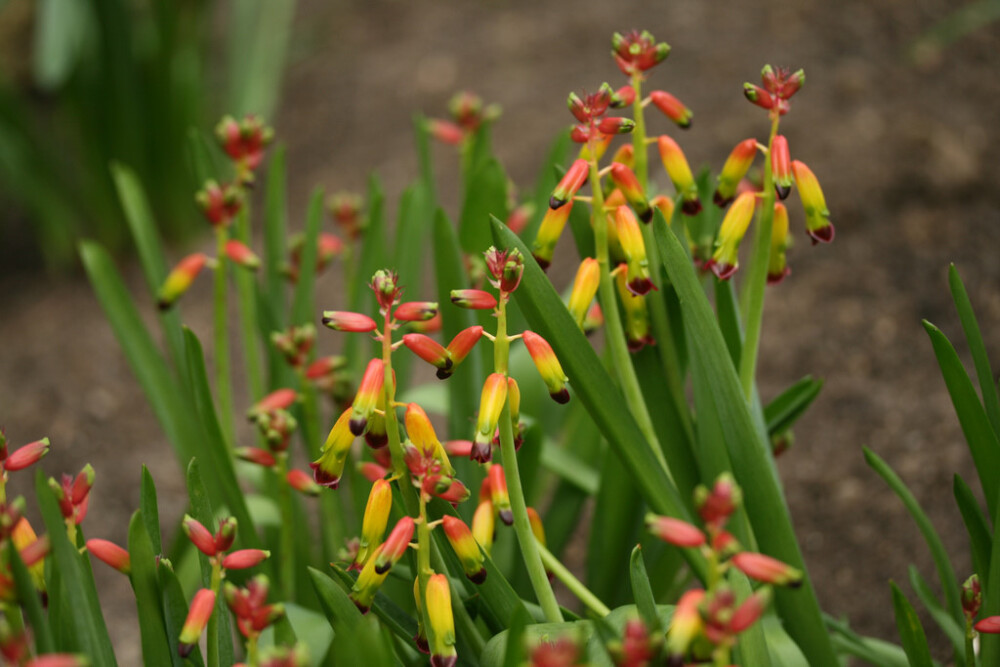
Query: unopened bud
column 672, row 108
column 571, row 182
column 781, row 170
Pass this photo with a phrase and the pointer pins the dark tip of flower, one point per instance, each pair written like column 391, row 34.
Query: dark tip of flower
column 542, row 262
column 795, row 584
column 444, row 660
column 322, row 478
column 646, row 214
column 358, row 425
column 641, row 286
column 782, row 190
column 478, row 577
column 822, row 235
column 507, row 516
column 184, row 650
column 362, row 608
column 555, row 202
column 422, row 644
column 445, row 373
column 685, row 124
column 775, row 278
column 691, row 207
column 723, row 271
column 382, row 569
column 720, row 201
column 376, row 440
column 163, row 304
column 481, row 452
column 561, row 396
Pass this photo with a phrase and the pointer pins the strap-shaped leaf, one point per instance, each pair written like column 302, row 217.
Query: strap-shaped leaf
column 31, row 601
column 304, row 300
column 763, row 498
column 980, row 538
column 156, row 648
column 785, row 409
column 911, row 632
column 979, row 434
column 485, row 195
column 984, row 371
column 642, row 591
column 949, row 626
column 946, row 574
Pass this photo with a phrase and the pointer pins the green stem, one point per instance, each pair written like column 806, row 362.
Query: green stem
column 575, row 586
column 213, row 620
column 522, row 524
column 245, row 288
column 614, row 331
column 757, row 279
column 657, row 307
column 253, row 654
column 223, row 382
column 287, row 527
column 970, row 653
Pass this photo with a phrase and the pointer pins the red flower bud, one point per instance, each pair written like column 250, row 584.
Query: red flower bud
column 239, row 253
column 570, row 184
column 415, row 311
column 110, row 554
column 473, row 299
column 339, row 320
column 244, row 558
column 672, row 108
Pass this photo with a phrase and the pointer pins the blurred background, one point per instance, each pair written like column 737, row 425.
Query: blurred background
column 898, row 118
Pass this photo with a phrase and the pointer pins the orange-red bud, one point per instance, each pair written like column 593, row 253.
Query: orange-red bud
column 736, row 167
column 680, row 173
column 367, row 397
column 244, row 559
column 302, row 482
column 676, row 532
column 615, row 125
column 430, row 351
column 780, row 163
column 686, row 623
column 415, row 311
column 672, row 108
column 255, row 455
column 766, row 569
column 200, row 611
column 750, row 610
column 818, row 224
column 240, row 254
column 548, row 366
column 498, row 494
column 466, row 548
column 26, row 455
column 340, row 320
column 571, row 182
column 180, row 278
column 473, row 299
column 989, row 625
column 280, row 399
column 395, row 545
column 445, row 131
column 199, row 535
column 463, row 342
column 626, row 181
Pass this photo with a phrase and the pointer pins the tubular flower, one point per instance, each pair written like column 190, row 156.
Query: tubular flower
column 243, row 559
column 630, row 238
column 240, row 254
column 463, row 342
column 23, row 456
column 430, row 351
column 415, row 311
column 672, row 108
column 484, row 525
column 441, row 630
column 330, row 465
column 201, row 609
column 676, row 532
column 626, row 181
column 750, row 610
column 736, row 167
column 766, row 569
column 725, row 259
column 548, row 235
column 680, row 173
column 465, row 547
column 490, row 405
column 780, row 164
column 345, row 207
column 340, row 320
column 548, row 366
column 624, row 155
column 32, row 550
column 394, row 546
column 179, row 279
column 686, row 623
column 635, row 52
column 110, row 554
column 584, row 289
column 473, row 299
column 571, row 182
column 665, row 205
column 636, row 314
column 421, row 432
column 777, row 264
column 376, row 436
column 366, row 399
column 623, row 97
column 498, row 494
column 715, row 506
column 818, row 224
column 367, row 585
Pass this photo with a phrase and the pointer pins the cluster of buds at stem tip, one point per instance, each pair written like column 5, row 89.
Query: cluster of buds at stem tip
column 677, row 168
column 295, row 343
column 467, row 113
column 180, row 278
column 505, row 268
column 589, row 111
column 215, row 545
column 219, row 203
column 345, row 208
column 328, row 248
column 637, row 646
column 779, row 85
column 385, row 284
column 249, row 606
column 244, row 141
column 73, row 494
column 635, row 52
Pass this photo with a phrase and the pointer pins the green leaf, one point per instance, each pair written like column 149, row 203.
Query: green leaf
column 275, row 231
column 910, row 631
column 338, row 607
column 203, row 159
column 485, row 195
column 304, row 300
column 514, row 651
column 150, row 510
column 980, row 539
column 589, row 382
column 875, row 651
column 948, row 625
column 83, row 618
column 570, row 467
column 175, row 610
column 616, row 524
column 946, row 575
column 31, row 601
column 642, row 591
column 754, row 647
column 162, row 392
column 785, row 409
column 750, row 456
column 398, row 621
column 984, row 371
column 729, row 318
column 225, row 489
column 255, row 74
column 61, row 28
column 156, row 648
column 979, row 434
column 307, row 626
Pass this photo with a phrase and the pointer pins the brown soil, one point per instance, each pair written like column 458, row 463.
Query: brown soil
column 902, row 149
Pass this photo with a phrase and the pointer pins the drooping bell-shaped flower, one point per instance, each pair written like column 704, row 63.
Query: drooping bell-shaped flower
column 736, row 167
column 491, row 403
column 725, row 259
column 679, row 171
column 818, row 224
column 375, row 520
column 549, row 231
column 465, row 547
column 548, row 366
column 777, row 264
column 441, row 630
column 328, row 469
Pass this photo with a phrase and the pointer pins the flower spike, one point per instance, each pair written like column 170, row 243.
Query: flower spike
column 548, row 366
column 817, row 216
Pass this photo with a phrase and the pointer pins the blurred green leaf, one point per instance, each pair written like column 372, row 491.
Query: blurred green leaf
column 753, row 647
column 786, row 408
column 984, row 371
column 30, row 600
column 150, row 510
column 946, row 575
column 949, row 626
column 304, row 300
column 60, row 31
column 642, row 592
column 338, row 607
column 402, row 624
column 875, row 651
column 615, row 525
column 980, row 538
column 255, row 73
column 485, row 195
column 82, row 617
column 910, row 631
column 156, row 648
column 979, row 434
column 174, row 614
column 309, row 627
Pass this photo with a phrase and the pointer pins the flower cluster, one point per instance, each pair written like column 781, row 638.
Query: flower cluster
column 468, row 114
